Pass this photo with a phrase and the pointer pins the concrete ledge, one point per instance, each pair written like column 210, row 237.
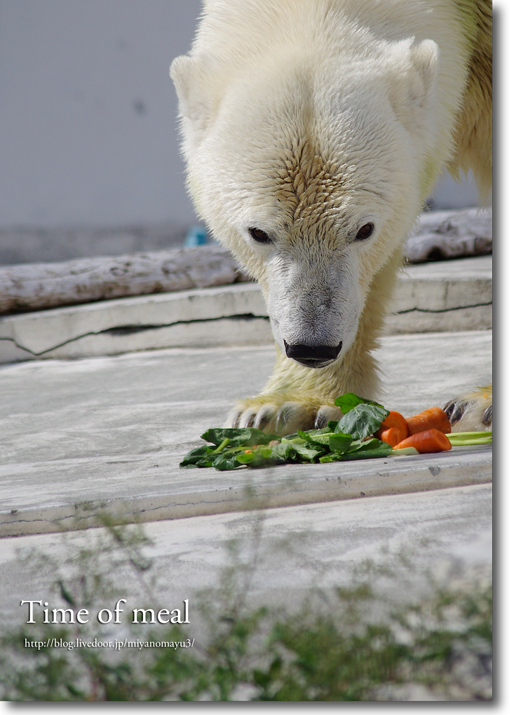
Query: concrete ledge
column 412, row 541
column 205, row 492
column 444, row 296
column 191, row 318
column 108, row 433
column 438, row 297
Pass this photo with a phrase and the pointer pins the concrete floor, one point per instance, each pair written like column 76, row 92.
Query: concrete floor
column 108, row 433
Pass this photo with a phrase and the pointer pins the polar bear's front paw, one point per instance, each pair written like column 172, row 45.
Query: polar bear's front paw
column 275, row 416
column 471, row 412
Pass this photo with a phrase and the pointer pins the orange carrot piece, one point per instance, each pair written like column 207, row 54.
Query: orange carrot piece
column 433, row 418
column 391, row 436
column 431, row 440
column 398, row 426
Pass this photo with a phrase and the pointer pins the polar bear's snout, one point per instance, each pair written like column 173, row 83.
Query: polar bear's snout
column 314, row 305
column 313, row 355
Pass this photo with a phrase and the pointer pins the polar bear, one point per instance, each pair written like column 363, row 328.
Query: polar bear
column 313, row 131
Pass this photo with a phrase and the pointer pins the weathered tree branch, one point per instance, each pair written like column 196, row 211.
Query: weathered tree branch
column 450, row 234
column 47, row 285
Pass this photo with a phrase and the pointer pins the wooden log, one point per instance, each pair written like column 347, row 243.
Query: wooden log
column 441, row 235
column 47, row 285
column 36, row 286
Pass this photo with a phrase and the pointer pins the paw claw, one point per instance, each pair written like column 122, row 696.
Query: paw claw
column 233, row 418
column 264, row 417
column 290, row 418
column 278, row 417
column 247, row 418
column 487, row 416
column 455, row 410
column 471, row 412
column 326, row 414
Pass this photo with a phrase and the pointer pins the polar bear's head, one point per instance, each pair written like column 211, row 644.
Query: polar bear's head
column 311, row 173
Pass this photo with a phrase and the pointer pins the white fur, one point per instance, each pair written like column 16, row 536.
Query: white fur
column 308, row 119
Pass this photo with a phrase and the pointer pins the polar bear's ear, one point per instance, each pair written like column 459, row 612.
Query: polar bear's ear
column 189, row 77
column 414, row 82
column 425, row 60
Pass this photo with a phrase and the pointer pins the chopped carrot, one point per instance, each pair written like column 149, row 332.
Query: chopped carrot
column 391, row 436
column 398, row 426
column 431, row 440
column 433, row 418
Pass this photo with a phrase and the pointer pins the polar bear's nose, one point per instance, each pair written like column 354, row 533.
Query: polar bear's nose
column 313, row 355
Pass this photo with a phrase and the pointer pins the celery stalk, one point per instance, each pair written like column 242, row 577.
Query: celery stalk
column 404, row 451
column 461, row 439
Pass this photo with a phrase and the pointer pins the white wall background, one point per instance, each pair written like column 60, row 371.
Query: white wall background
column 88, row 113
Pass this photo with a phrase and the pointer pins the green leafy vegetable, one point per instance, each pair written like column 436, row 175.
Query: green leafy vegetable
column 349, row 400
column 363, row 420
column 238, row 437
column 339, row 442
column 351, row 437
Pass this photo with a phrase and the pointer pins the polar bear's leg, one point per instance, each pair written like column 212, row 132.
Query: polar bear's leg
column 298, row 397
column 472, row 411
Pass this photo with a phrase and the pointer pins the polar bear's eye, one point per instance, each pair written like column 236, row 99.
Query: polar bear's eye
column 365, row 232
column 258, row 235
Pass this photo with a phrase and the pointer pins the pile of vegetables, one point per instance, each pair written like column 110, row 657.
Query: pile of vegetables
column 366, row 430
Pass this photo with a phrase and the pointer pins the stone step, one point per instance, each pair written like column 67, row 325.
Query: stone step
column 411, row 541
column 107, row 433
column 444, row 296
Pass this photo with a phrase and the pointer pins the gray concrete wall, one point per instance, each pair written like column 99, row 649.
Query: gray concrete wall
column 88, row 111
column 88, row 123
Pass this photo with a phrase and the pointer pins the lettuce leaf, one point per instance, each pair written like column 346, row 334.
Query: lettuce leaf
column 344, row 439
